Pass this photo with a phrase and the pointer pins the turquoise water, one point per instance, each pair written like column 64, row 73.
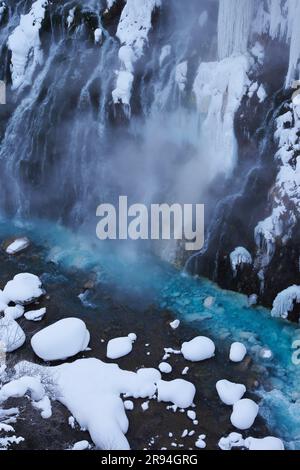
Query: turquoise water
column 148, row 280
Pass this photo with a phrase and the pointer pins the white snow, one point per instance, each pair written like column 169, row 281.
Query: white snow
column 229, row 392
column 165, row 368
column 175, row 324
column 191, row 415
column 25, row 45
column 239, row 257
column 128, row 405
column 244, row 414
column 23, row 289
column 285, row 302
column 235, row 440
column 14, row 312
column 98, row 34
column 133, row 29
column 20, row 387
column 44, row 405
column 238, row 352
column 180, row 392
column 198, row 349
column 17, row 245
column 92, row 389
column 145, row 405
column 200, row 443
column 11, row 334
column 267, row 443
column 261, row 93
column 36, row 315
column 219, row 88
column 120, row 347
column 81, row 445
column 71, row 17
column 61, row 340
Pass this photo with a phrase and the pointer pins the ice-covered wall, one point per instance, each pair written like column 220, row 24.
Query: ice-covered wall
column 25, row 45
column 240, row 21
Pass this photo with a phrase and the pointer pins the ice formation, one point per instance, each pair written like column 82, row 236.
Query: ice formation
column 219, row 88
column 235, row 440
column 285, row 302
column 286, row 194
column 239, row 257
column 25, row 45
column 133, row 29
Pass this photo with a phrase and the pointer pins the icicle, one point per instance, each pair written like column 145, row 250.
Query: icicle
column 294, row 33
column 234, row 25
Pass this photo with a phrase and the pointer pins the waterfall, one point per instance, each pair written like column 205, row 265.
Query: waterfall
column 234, row 26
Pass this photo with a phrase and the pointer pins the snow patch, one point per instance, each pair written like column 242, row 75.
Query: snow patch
column 198, row 349
column 120, row 347
column 229, row 392
column 244, row 414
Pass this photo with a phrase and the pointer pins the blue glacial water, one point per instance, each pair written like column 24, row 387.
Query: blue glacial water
column 147, row 280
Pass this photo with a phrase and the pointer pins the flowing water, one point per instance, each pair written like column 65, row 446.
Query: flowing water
column 147, row 280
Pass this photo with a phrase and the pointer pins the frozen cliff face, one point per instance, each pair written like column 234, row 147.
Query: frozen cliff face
column 25, row 45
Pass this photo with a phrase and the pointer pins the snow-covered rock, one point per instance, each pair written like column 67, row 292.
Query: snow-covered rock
column 25, row 45
column 19, row 244
column 175, row 324
column 165, row 368
column 235, row 440
column 14, row 312
column 120, row 347
column 11, row 334
column 198, row 349
column 81, row 445
column 229, row 392
column 200, row 443
column 133, row 29
column 23, row 289
column 71, row 17
column 20, row 387
column 36, row 315
column 238, row 352
column 44, row 406
column 267, row 443
column 180, row 392
column 285, row 302
column 239, row 257
column 244, row 414
column 61, row 340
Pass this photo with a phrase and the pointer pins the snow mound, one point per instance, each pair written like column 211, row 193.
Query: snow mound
column 235, row 440
column 180, row 392
column 25, row 45
column 285, row 302
column 239, row 257
column 244, row 414
column 20, row 387
column 229, row 392
column 268, row 443
column 165, row 368
column 36, row 315
column 23, row 289
column 175, row 324
column 61, row 340
column 120, row 347
column 238, row 352
column 20, row 244
column 14, row 312
column 81, row 445
column 11, row 334
column 92, row 390
column 198, row 349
